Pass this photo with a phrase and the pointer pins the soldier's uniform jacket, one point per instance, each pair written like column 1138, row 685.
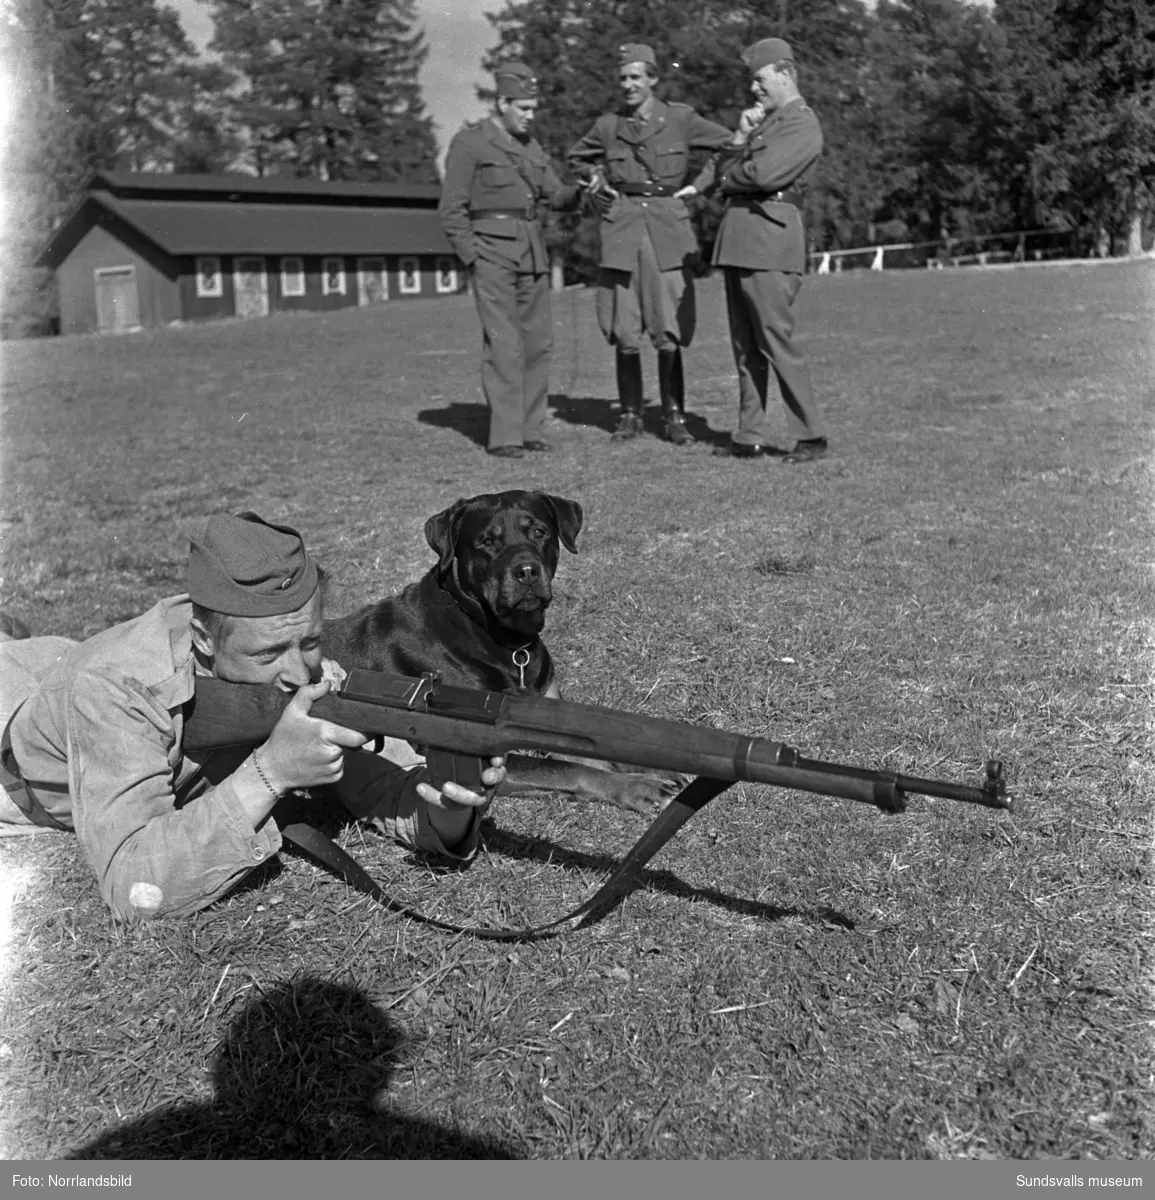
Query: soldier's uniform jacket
column 760, row 231
column 488, row 168
column 653, row 153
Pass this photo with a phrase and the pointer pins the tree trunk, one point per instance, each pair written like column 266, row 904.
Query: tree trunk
column 1135, row 235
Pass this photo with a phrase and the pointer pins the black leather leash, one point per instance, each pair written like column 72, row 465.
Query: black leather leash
column 694, row 796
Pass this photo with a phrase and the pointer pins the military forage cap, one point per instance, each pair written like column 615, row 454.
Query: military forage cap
column 636, row 52
column 515, row 81
column 245, row 567
column 765, row 52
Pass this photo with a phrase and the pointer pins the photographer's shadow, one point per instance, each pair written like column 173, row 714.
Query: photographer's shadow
column 300, row 1075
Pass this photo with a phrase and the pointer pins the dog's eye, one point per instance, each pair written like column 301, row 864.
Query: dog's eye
column 539, row 532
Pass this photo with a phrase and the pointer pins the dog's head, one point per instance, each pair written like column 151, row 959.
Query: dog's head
column 497, row 554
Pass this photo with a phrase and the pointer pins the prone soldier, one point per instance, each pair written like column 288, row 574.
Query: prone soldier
column 496, row 176
column 636, row 163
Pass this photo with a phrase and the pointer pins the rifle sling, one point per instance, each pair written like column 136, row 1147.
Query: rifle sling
column 694, row 796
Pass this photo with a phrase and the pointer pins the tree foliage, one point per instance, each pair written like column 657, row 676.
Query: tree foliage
column 941, row 117
column 329, row 88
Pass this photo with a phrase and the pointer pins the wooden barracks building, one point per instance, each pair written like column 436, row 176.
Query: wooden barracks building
column 137, row 250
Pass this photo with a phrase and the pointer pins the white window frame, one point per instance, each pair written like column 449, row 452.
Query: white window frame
column 216, row 289
column 447, row 266
column 410, row 262
column 341, row 286
column 296, row 274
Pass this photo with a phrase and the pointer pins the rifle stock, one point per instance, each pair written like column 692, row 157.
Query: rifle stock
column 468, row 723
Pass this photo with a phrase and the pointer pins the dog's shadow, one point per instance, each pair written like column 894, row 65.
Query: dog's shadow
column 592, row 412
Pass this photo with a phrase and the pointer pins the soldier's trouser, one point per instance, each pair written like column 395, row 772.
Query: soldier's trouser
column 22, row 663
column 760, row 305
column 517, row 332
column 646, row 300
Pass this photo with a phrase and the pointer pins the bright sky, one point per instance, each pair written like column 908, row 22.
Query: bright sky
column 458, row 35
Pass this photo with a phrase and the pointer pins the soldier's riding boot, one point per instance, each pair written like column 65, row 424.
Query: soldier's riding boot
column 631, row 393
column 672, row 386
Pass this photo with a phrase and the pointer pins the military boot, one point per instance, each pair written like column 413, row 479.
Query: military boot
column 671, row 384
column 631, row 394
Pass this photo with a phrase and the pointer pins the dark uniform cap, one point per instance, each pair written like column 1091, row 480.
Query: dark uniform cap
column 767, row 51
column 245, row 567
column 632, row 52
column 515, row 81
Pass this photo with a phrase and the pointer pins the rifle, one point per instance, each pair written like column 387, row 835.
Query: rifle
column 459, row 727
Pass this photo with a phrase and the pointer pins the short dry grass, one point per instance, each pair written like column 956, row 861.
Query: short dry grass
column 969, row 574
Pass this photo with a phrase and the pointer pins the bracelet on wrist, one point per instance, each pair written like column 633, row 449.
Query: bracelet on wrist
column 263, row 777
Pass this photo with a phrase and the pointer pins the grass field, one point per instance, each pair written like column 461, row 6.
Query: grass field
column 969, row 574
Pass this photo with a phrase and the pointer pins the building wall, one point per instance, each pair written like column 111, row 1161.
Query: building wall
column 111, row 244
column 196, row 307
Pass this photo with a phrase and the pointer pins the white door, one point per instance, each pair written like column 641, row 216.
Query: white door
column 252, row 287
column 117, row 304
column 372, row 282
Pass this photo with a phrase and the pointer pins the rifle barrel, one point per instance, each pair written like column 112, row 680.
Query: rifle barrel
column 481, row 723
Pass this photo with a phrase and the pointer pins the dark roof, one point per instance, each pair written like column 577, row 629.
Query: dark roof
column 181, row 227
column 266, row 187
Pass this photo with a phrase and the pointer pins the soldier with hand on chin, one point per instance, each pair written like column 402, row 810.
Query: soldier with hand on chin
column 761, row 248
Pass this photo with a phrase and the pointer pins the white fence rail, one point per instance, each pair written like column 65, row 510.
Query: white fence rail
column 1023, row 245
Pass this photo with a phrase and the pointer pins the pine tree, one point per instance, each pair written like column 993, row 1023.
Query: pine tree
column 329, row 88
column 1083, row 146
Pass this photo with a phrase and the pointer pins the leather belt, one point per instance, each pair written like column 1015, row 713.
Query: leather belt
column 645, row 189
column 504, row 214
column 787, row 196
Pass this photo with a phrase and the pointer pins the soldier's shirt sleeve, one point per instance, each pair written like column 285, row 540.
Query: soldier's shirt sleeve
column 773, row 160
column 453, row 210
column 384, row 793
column 150, row 857
column 587, row 152
column 706, row 135
column 557, row 194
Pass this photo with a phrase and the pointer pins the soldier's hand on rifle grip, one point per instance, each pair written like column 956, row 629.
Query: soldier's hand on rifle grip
column 303, row 751
column 452, row 796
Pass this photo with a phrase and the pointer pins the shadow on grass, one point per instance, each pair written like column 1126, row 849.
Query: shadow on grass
column 594, row 412
column 300, row 1075
column 598, row 413
column 470, row 420
column 544, row 851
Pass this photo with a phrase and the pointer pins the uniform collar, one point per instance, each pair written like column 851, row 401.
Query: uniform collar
column 632, row 129
column 499, row 134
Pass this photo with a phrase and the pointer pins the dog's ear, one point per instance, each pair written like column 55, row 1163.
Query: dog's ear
column 567, row 515
column 441, row 533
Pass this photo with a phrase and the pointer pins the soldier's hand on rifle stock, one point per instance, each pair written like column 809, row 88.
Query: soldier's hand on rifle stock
column 450, row 808
column 303, row 751
column 453, row 797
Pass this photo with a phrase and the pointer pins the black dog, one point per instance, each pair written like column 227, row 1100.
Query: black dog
column 476, row 619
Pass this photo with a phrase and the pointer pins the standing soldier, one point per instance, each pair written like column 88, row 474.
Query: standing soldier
column 495, row 177
column 636, row 163
column 761, row 248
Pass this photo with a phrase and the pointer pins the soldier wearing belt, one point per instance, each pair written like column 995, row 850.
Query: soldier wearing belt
column 495, row 177
column 636, row 163
column 761, row 248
